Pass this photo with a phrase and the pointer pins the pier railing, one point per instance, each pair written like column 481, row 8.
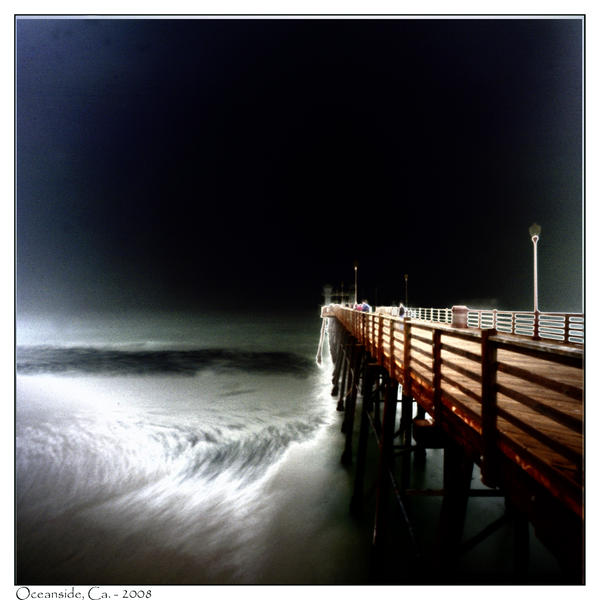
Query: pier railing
column 507, row 397
column 563, row 327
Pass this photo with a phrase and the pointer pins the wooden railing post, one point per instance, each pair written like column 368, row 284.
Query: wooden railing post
column 437, row 376
column 406, row 386
column 406, row 415
column 392, row 369
column 373, row 320
column 489, row 407
column 380, row 352
column 362, row 317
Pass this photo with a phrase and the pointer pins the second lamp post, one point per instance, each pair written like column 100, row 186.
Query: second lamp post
column 534, row 232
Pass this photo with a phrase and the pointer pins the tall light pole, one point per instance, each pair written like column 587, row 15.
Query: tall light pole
column 355, row 283
column 534, row 232
column 406, row 289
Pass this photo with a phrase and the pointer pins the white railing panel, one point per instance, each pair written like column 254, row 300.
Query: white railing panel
column 567, row 327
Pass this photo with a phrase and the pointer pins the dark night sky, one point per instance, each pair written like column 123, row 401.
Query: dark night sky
column 175, row 164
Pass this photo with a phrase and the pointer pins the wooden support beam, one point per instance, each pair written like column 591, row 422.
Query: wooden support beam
column 377, row 400
column 405, row 440
column 427, row 435
column 338, row 359
column 406, row 410
column 371, row 373
column 345, row 350
column 350, row 380
column 348, row 424
column 521, row 545
column 386, row 457
column 458, row 471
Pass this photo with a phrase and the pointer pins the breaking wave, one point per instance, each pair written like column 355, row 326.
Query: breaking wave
column 109, row 361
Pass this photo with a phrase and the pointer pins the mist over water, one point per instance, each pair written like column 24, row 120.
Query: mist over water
column 150, row 452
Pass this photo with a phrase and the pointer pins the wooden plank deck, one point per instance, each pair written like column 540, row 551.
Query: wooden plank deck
column 535, row 402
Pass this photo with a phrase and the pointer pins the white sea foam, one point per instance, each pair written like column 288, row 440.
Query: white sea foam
column 115, row 473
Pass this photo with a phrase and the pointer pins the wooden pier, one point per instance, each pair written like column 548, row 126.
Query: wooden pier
column 509, row 404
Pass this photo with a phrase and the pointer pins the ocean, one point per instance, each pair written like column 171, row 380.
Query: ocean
column 180, row 449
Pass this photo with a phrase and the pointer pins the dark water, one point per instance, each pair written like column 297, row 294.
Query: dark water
column 171, row 450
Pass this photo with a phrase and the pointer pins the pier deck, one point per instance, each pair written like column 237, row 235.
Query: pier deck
column 515, row 405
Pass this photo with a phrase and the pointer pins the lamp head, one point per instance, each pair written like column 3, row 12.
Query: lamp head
column 535, row 230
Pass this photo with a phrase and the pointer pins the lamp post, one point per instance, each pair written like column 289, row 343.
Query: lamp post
column 355, row 283
column 534, row 232
column 405, row 289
